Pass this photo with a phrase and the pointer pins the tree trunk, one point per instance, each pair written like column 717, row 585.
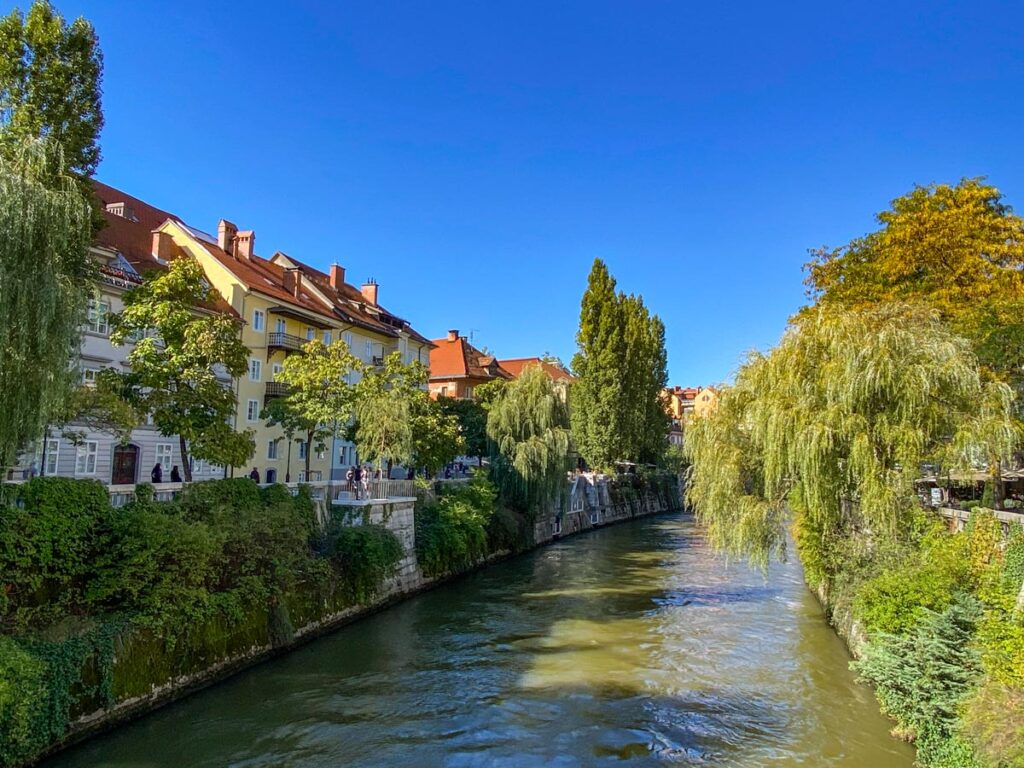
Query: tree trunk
column 309, row 451
column 185, row 463
column 998, row 489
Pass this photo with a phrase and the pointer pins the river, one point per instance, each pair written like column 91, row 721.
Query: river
column 630, row 645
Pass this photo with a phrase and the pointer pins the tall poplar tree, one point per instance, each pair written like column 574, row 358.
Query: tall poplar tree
column 50, row 74
column 621, row 369
column 597, row 397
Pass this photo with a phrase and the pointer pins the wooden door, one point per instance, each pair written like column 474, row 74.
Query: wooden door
column 126, row 459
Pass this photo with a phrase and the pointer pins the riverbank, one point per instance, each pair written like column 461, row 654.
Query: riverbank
column 635, row 645
column 147, row 672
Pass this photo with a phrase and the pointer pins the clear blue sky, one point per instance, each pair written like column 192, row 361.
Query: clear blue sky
column 475, row 157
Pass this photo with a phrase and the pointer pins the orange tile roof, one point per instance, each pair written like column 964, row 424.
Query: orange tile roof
column 454, row 359
column 516, row 366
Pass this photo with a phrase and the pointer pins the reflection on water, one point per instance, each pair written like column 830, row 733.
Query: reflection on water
column 632, row 645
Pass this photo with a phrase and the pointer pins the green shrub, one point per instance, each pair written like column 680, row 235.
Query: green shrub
column 451, row 534
column 363, row 557
column 201, row 499
column 508, row 531
column 994, row 722
column 922, row 678
column 23, row 698
column 897, row 598
column 49, row 538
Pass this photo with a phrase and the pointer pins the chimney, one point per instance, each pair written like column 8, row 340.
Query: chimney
column 244, row 243
column 293, row 281
column 226, row 232
column 453, row 335
column 369, row 291
column 162, row 243
column 337, row 276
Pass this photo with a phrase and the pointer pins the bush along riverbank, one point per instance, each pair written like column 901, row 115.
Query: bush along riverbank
column 933, row 622
column 106, row 613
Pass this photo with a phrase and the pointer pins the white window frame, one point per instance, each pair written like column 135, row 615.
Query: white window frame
column 52, row 455
column 89, row 376
column 348, row 340
column 368, row 351
column 86, row 454
column 302, row 449
column 259, row 320
column 255, row 369
column 272, row 450
column 98, row 317
column 280, row 326
column 165, row 457
column 310, row 333
column 275, row 369
column 252, row 410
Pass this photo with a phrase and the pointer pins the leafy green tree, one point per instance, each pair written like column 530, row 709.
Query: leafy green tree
column 436, row 436
column 598, row 399
column 320, row 399
column 99, row 408
column 42, row 300
column 958, row 249
column 385, row 410
column 528, row 428
column 846, row 408
column 472, row 423
column 50, row 74
column 173, row 367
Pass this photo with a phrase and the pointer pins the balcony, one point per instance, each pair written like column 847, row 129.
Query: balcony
column 275, row 389
column 284, row 341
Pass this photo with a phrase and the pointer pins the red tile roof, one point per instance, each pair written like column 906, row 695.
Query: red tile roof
column 131, row 235
column 516, row 366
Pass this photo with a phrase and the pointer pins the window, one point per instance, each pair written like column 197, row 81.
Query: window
column 198, row 466
column 252, row 410
column 97, row 318
column 259, row 319
column 368, row 351
column 310, row 334
column 444, row 391
column 89, row 377
column 272, row 450
column 469, row 392
column 271, row 475
column 85, row 458
column 327, row 338
column 164, row 452
column 255, row 369
column 348, row 339
column 52, row 454
column 302, row 449
column 275, row 369
column 280, row 326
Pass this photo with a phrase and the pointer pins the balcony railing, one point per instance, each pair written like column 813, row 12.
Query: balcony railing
column 284, row 341
column 375, row 490
column 275, row 389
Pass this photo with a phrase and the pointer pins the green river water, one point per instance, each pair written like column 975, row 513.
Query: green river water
column 630, row 645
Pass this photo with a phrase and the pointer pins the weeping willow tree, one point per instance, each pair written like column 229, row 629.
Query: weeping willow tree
column 45, row 231
column 528, row 430
column 844, row 411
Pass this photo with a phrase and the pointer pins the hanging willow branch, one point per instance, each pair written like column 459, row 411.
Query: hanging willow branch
column 528, row 429
column 45, row 231
column 848, row 407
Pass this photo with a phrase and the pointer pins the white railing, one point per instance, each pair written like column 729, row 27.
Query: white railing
column 374, row 490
